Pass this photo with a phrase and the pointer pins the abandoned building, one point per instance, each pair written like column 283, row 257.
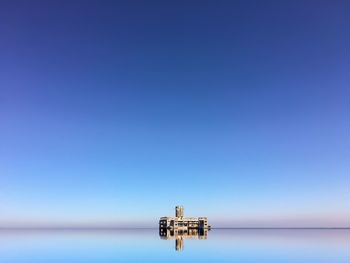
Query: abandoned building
column 183, row 223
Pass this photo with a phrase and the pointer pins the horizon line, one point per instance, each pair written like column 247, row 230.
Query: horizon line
column 144, row 228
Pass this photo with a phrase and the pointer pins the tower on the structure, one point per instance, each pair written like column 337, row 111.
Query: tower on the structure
column 179, row 211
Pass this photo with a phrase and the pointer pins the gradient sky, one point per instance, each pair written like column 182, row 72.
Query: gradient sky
column 238, row 110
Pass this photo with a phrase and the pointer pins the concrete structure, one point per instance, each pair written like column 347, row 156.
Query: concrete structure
column 180, row 222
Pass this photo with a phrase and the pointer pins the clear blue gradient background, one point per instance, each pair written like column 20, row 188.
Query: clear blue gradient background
column 112, row 110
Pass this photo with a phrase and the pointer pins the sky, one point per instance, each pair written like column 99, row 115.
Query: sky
column 113, row 112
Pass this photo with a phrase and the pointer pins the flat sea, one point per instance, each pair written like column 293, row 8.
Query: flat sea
column 145, row 245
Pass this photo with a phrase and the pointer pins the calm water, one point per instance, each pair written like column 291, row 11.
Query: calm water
column 146, row 246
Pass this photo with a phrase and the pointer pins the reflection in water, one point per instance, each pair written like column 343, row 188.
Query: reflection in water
column 179, row 235
column 145, row 245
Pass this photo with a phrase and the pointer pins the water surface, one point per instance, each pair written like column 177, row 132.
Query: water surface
column 145, row 245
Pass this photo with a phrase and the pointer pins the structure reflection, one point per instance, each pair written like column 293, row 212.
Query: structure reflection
column 179, row 235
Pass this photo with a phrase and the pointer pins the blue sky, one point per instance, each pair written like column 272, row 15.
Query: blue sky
column 238, row 110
